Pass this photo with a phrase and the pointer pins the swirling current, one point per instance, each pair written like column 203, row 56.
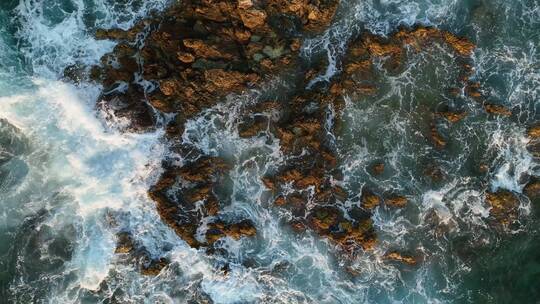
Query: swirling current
column 72, row 178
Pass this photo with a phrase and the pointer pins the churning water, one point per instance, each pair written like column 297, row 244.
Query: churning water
column 69, row 180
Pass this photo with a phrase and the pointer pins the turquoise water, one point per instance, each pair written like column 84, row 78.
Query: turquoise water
column 65, row 171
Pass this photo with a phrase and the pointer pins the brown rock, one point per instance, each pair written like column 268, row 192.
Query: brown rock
column 124, row 243
column 219, row 80
column 396, row 201
column 243, row 36
column 252, row 127
column 253, row 18
column 218, row 230
column 472, row 89
column 503, row 205
column 437, row 138
column 497, row 109
column 532, row 189
column 185, row 57
column 452, row 117
column 398, row 257
column 377, row 168
column 280, row 201
column 269, row 183
column 534, row 132
column 201, row 49
column 154, row 267
column 325, row 217
column 462, row 46
column 369, row 199
column 244, row 4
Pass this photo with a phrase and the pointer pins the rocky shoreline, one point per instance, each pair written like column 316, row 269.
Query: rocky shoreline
column 194, row 54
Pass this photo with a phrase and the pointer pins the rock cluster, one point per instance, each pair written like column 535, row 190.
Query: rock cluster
column 311, row 169
column 138, row 255
column 504, row 206
column 197, row 52
column 308, row 182
column 185, row 61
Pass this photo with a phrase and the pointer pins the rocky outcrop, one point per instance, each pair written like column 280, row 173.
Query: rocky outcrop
column 185, row 196
column 197, row 52
column 398, row 257
column 396, row 201
column 377, row 168
column 532, row 189
column 503, row 206
column 135, row 254
column 534, row 132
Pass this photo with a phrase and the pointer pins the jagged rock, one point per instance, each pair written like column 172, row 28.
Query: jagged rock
column 534, row 132
column 280, row 201
column 437, row 138
column 452, row 117
column 313, row 15
column 198, row 52
column 350, row 235
column 253, row 18
column 124, row 243
column 154, row 267
column 236, row 231
column 503, row 205
column 532, row 189
column 196, row 181
column 473, row 90
column 369, row 199
column 497, row 109
column 377, row 168
column 118, row 34
column 435, row 173
column 534, row 148
column 462, row 46
column 398, row 257
column 396, row 201
column 138, row 255
column 75, row 73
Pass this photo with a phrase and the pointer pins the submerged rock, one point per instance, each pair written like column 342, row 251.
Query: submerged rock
column 437, row 138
